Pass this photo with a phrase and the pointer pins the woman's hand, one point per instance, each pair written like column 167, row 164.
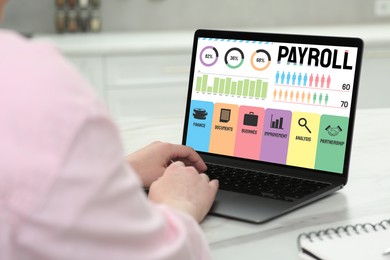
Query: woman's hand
column 151, row 161
column 184, row 189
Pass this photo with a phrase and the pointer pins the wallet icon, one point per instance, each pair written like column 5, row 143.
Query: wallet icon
column 251, row 119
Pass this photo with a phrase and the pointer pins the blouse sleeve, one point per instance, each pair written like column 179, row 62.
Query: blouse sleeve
column 96, row 209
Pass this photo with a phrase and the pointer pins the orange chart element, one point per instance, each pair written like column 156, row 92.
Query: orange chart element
column 254, row 59
column 224, row 128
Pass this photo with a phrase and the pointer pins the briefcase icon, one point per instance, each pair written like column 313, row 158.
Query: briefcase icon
column 251, row 119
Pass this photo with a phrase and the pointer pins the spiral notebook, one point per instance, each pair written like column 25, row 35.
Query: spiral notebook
column 360, row 241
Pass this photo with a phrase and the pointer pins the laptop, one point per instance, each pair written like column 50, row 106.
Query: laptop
column 272, row 115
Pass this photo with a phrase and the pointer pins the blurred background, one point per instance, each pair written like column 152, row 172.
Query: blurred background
column 136, row 53
column 136, row 15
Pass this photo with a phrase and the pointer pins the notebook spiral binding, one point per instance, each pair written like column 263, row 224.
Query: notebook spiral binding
column 341, row 231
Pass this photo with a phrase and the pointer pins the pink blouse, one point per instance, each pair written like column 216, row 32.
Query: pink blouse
column 66, row 191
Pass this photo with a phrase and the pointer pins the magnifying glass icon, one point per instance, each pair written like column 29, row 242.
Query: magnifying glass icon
column 303, row 122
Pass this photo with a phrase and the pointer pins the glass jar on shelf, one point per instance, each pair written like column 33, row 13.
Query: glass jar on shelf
column 60, row 3
column 60, row 21
column 84, row 20
column 95, row 3
column 72, row 24
column 72, row 3
column 83, row 4
column 95, row 23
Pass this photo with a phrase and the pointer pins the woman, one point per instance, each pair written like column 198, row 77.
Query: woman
column 65, row 190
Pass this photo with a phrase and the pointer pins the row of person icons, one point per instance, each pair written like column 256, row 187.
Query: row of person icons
column 301, row 97
column 300, row 79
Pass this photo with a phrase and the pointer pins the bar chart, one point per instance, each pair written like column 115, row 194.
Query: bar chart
column 277, row 123
column 250, row 88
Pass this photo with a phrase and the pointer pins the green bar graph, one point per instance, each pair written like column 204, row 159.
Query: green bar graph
column 221, row 86
column 198, row 84
column 258, row 88
column 234, row 88
column 246, row 88
column 250, row 88
column 239, row 88
column 227, row 86
column 264, row 90
column 204, row 83
column 216, row 84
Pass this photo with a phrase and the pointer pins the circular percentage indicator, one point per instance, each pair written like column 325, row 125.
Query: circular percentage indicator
column 260, row 60
column 209, row 56
column 234, row 58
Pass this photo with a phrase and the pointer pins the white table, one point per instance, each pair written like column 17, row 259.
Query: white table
column 365, row 197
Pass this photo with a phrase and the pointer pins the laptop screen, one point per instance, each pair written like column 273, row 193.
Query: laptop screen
column 285, row 100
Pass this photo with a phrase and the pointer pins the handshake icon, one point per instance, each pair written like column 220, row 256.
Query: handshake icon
column 333, row 131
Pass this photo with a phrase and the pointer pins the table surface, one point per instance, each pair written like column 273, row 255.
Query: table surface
column 366, row 197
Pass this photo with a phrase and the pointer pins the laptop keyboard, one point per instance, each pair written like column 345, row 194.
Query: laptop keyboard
column 263, row 184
